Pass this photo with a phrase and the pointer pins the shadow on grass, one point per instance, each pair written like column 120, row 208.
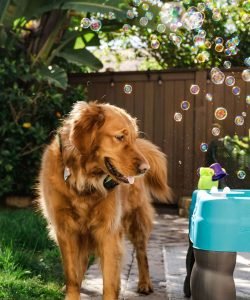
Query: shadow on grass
column 30, row 265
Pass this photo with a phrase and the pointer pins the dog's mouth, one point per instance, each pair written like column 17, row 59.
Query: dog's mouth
column 114, row 172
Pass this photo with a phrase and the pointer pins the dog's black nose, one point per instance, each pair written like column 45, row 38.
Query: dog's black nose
column 143, row 168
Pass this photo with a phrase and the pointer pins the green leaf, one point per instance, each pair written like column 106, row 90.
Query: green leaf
column 92, row 6
column 81, row 57
column 55, row 76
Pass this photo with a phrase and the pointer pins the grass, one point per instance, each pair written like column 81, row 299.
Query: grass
column 30, row 265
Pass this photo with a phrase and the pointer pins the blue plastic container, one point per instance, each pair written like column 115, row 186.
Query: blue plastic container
column 220, row 221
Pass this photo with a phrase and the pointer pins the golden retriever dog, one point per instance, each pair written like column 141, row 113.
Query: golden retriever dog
column 95, row 185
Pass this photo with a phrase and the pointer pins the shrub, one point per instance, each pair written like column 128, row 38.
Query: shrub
column 31, row 108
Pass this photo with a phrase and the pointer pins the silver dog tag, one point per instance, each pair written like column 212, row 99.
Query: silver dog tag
column 66, row 173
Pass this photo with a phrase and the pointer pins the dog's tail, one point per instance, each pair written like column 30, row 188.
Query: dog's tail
column 157, row 177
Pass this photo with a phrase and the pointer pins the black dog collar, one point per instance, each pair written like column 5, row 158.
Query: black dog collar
column 109, row 183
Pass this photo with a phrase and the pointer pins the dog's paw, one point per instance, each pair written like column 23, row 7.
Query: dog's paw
column 145, row 288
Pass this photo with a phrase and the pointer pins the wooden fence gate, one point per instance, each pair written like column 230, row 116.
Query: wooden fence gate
column 156, row 97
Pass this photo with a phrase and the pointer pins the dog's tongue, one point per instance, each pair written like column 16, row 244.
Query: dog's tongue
column 131, row 179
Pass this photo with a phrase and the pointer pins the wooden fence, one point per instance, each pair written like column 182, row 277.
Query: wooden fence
column 155, row 98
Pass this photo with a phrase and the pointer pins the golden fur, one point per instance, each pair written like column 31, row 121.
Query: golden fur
column 84, row 217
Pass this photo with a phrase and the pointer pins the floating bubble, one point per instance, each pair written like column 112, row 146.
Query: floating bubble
column 202, row 33
column 245, row 18
column 227, row 64
column 201, row 58
column 199, row 40
column 194, row 89
column 248, row 99
column 145, row 6
column 209, row 97
column 219, row 47
column 220, row 113
column 244, row 114
column 126, row 27
column 201, row 7
column 246, row 75
column 136, row 2
column 85, row 23
column 241, row 174
column 228, row 52
column 161, row 28
column 111, row 15
column 155, row 44
column 192, row 19
column 216, row 16
column 230, row 80
column 153, row 37
column 236, row 90
column 128, row 89
column 149, row 15
column 217, row 76
column 185, row 105
column 95, row 25
column 143, row 21
column 247, row 61
column 239, row 120
column 178, row 117
column 130, row 14
column 203, row 147
column 208, row 44
column 215, row 131
column 171, row 13
column 176, row 40
column 218, row 40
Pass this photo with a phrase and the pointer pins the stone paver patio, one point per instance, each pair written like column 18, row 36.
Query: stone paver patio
column 166, row 252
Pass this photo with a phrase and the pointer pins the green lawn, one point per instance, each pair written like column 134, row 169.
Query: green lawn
column 30, row 266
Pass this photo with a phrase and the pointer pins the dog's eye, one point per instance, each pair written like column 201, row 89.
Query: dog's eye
column 119, row 137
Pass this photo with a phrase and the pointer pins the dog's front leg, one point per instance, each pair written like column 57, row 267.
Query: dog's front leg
column 110, row 251
column 70, row 247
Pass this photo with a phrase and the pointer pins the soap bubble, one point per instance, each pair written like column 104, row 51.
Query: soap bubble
column 228, row 52
column 127, row 89
column 185, row 105
column 230, row 80
column 95, row 25
column 215, row 131
column 136, row 2
column 247, row 61
column 246, row 75
column 130, row 14
column 248, row 99
column 227, row 64
column 219, row 48
column 236, row 90
column 145, row 6
column 241, row 174
column 216, row 16
column 171, row 13
column 199, row 40
column 155, row 44
column 204, row 147
column 202, row 33
column 143, row 21
column 217, row 76
column 239, row 120
column 208, row 44
column 201, row 57
column 149, row 15
column 218, row 40
column 220, row 113
column 226, row 190
column 244, row 114
column 201, row 7
column 178, row 117
column 194, row 89
column 192, row 19
column 85, row 23
column 161, row 28
column 126, row 27
column 209, row 97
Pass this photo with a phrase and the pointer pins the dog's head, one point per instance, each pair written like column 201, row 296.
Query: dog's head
column 105, row 136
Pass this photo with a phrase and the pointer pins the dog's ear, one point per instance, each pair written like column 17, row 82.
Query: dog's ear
column 85, row 128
